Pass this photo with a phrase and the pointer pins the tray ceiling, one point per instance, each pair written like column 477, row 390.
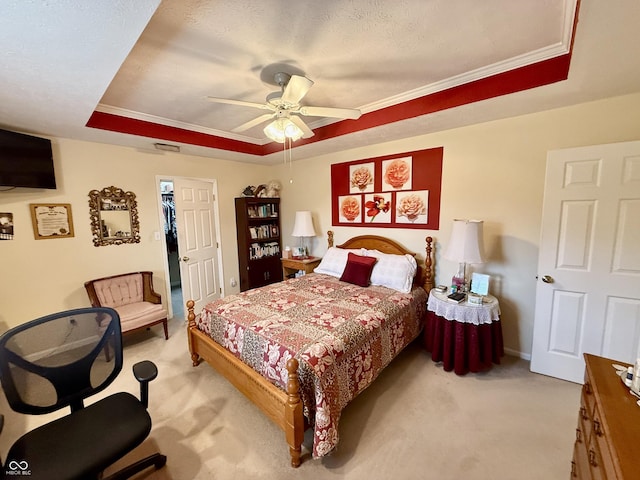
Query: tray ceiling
column 139, row 72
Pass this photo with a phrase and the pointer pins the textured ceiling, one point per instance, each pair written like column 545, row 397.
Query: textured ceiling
column 145, row 68
column 359, row 54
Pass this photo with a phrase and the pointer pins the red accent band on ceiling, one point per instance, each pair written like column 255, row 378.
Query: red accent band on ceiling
column 523, row 78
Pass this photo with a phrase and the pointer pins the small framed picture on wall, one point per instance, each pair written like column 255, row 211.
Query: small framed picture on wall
column 51, row 220
column 6, row 226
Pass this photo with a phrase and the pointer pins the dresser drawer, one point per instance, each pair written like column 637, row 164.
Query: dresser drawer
column 607, row 434
column 591, row 427
column 600, row 443
column 588, row 398
column 594, row 460
column 580, row 469
column 585, row 417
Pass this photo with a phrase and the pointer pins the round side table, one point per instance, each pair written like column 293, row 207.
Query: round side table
column 465, row 337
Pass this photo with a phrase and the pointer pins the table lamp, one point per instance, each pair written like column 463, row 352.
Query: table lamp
column 465, row 246
column 303, row 228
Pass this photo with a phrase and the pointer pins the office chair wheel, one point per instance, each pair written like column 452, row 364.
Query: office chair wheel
column 157, row 460
column 160, row 462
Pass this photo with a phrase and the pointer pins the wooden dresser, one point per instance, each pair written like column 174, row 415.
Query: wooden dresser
column 607, row 442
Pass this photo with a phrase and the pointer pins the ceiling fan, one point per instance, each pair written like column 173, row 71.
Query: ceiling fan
column 285, row 109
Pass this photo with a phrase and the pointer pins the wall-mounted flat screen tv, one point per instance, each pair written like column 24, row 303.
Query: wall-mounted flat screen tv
column 26, row 161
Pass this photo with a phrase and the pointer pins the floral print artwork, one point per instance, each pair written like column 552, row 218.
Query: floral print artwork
column 396, row 174
column 401, row 190
column 350, row 208
column 378, row 207
column 361, row 178
column 343, row 336
column 411, row 207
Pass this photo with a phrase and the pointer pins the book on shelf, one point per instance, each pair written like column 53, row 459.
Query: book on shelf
column 262, row 211
column 257, row 250
column 263, row 231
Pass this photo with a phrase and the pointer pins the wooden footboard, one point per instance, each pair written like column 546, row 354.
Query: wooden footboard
column 283, row 408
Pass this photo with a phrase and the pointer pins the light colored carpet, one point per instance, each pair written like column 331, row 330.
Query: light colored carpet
column 415, row 422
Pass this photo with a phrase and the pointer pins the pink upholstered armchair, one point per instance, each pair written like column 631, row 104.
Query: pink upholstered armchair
column 133, row 297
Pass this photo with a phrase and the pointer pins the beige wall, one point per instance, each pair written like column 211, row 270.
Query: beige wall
column 44, row 276
column 492, row 171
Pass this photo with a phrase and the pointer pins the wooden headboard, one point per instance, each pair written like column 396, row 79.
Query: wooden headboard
column 424, row 274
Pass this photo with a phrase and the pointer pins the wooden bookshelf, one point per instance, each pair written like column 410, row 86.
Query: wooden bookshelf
column 259, row 241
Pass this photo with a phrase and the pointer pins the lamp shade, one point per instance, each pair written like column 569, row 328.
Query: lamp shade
column 281, row 129
column 303, row 226
column 466, row 244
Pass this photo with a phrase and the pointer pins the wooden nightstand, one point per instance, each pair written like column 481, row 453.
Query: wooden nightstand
column 291, row 265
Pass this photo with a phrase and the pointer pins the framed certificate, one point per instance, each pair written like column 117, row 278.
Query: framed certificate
column 51, row 220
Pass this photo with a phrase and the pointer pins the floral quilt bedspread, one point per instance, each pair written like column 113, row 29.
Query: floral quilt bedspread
column 343, row 336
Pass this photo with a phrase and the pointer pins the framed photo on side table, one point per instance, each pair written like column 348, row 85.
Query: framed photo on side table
column 480, row 284
column 479, row 288
column 298, row 252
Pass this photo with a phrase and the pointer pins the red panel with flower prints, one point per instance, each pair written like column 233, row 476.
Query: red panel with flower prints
column 397, row 191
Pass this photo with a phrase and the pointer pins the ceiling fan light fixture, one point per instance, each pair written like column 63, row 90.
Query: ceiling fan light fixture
column 286, row 110
column 281, row 129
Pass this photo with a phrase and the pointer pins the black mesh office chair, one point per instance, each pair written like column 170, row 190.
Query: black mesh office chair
column 58, row 361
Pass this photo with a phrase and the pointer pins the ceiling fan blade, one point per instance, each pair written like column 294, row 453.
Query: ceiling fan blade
column 306, row 131
column 242, row 103
column 350, row 113
column 253, row 123
column 296, row 89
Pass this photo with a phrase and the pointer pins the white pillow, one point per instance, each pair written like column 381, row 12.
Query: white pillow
column 335, row 260
column 393, row 271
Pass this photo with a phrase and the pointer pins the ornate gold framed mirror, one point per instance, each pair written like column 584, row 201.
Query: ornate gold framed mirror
column 114, row 217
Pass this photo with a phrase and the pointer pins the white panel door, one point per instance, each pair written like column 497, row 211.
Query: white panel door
column 588, row 291
column 197, row 244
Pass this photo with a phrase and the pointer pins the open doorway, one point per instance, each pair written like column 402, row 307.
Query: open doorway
column 192, row 246
column 171, row 243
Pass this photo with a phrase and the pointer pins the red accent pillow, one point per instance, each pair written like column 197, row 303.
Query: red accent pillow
column 358, row 270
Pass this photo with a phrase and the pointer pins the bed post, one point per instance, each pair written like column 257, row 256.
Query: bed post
column 428, row 273
column 330, row 238
column 191, row 317
column 294, row 417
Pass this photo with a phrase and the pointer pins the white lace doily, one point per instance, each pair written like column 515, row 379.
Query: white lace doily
column 464, row 312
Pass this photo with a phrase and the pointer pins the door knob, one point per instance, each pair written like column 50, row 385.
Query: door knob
column 185, row 259
column 547, row 279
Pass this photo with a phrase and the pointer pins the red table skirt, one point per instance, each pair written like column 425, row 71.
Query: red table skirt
column 463, row 347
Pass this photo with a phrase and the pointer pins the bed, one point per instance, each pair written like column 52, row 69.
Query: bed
column 303, row 348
